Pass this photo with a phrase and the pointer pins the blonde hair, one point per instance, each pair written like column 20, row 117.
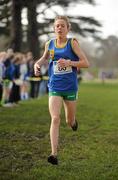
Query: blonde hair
column 65, row 18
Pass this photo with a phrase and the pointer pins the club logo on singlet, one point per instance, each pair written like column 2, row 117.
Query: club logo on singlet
column 60, row 70
column 52, row 54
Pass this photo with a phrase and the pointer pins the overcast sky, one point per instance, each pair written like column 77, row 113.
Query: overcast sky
column 106, row 11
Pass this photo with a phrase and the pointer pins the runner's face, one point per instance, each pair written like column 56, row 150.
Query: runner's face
column 60, row 28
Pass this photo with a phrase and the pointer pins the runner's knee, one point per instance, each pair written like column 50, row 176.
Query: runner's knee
column 56, row 120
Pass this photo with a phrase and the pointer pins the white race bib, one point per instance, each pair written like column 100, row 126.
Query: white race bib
column 59, row 70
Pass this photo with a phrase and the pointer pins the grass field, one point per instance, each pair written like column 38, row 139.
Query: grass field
column 91, row 153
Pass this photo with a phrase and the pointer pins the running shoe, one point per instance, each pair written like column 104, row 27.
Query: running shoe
column 75, row 126
column 53, row 160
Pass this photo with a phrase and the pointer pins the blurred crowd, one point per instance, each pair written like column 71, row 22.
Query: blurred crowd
column 17, row 79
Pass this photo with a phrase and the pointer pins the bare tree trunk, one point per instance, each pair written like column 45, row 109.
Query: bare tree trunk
column 16, row 27
column 32, row 36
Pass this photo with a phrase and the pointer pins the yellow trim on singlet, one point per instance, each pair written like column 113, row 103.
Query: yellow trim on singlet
column 63, row 45
column 47, row 44
column 72, row 43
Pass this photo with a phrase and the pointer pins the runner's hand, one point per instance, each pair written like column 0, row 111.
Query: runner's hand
column 63, row 63
column 36, row 69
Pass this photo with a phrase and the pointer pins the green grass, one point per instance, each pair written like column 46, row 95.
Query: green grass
column 89, row 154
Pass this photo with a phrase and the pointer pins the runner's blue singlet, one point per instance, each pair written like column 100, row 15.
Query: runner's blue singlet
column 62, row 79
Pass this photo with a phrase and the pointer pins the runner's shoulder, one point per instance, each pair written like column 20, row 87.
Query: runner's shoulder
column 74, row 41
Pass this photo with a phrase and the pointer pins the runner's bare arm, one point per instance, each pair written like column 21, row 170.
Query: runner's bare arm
column 41, row 61
column 83, row 61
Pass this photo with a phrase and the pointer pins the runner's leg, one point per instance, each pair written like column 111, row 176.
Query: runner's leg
column 55, row 104
column 70, row 111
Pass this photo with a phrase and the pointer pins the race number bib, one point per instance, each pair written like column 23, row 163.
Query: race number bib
column 59, row 70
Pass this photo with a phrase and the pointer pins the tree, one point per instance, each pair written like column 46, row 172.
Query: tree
column 16, row 28
column 5, row 13
column 34, row 28
column 108, row 52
